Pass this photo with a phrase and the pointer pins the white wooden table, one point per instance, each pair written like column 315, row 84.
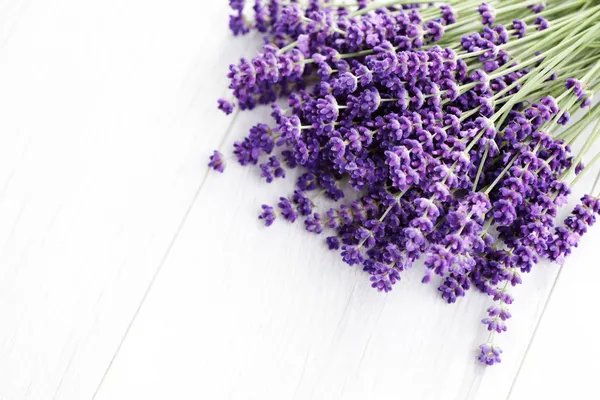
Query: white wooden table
column 130, row 271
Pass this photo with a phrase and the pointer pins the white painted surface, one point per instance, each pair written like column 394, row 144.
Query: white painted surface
column 108, row 116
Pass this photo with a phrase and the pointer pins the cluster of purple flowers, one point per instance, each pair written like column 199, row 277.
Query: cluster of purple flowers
column 430, row 137
column 321, row 36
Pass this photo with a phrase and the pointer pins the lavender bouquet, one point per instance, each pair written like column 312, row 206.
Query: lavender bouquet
column 448, row 121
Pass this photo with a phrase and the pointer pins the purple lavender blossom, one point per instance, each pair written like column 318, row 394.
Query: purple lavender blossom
column 352, row 255
column 327, row 110
column 488, row 14
column 237, row 5
column 272, row 169
column 537, row 8
column 520, row 27
column 448, row 14
column 333, row 242
column 217, row 162
column 225, row 106
column 267, row 214
column 542, row 23
column 489, row 354
column 287, row 209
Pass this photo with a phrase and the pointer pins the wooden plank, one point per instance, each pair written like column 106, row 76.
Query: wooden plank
column 104, row 136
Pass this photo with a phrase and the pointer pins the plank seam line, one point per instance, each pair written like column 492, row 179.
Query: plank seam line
column 160, row 265
column 539, row 321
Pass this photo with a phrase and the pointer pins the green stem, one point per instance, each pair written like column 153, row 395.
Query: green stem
column 288, row 47
column 483, row 160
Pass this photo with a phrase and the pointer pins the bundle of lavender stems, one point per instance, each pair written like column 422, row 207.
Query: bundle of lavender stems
column 449, row 122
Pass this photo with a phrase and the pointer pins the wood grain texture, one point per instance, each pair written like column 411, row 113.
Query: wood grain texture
column 129, row 271
column 103, row 137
